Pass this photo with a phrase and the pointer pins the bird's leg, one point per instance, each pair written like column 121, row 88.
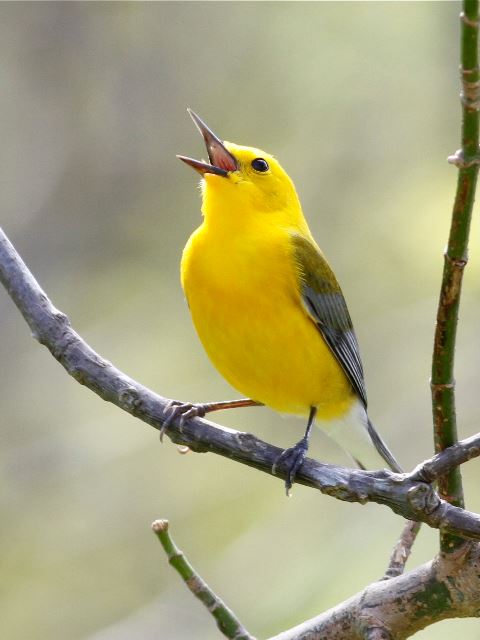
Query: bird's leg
column 183, row 411
column 293, row 457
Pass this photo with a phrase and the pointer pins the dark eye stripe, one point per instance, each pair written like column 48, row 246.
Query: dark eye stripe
column 259, row 164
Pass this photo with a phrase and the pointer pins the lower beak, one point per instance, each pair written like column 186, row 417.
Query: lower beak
column 203, row 167
column 221, row 160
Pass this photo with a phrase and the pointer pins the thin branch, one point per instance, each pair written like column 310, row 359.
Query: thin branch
column 226, row 620
column 402, row 550
column 408, row 495
column 456, row 256
column 443, row 462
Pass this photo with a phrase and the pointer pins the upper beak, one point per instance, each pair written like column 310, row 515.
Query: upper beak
column 221, row 160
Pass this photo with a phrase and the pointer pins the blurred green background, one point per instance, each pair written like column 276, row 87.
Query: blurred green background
column 359, row 101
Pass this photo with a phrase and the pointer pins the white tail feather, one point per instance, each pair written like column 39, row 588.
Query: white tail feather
column 356, row 435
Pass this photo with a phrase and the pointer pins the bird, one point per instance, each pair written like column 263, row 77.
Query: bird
column 268, row 308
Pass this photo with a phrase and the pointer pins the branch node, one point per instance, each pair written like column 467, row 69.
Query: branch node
column 458, row 263
column 475, row 24
column 440, row 386
column 377, row 633
column 422, row 498
column 423, row 473
column 246, row 441
column 461, row 161
column 61, row 317
column 470, row 95
column 473, row 452
column 130, row 398
column 469, row 72
column 470, row 99
column 371, row 625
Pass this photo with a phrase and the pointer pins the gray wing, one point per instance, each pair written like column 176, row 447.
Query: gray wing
column 325, row 304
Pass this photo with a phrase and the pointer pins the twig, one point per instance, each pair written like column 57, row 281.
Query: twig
column 443, row 462
column 456, row 255
column 409, row 495
column 402, row 550
column 226, row 620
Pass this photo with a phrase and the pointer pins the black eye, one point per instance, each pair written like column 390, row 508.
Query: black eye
column 259, row 164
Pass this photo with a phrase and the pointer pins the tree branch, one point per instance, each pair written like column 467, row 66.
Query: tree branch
column 409, row 495
column 226, row 620
column 443, row 462
column 446, row 587
column 402, row 550
column 456, row 256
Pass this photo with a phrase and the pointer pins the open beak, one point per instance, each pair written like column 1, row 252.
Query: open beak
column 221, row 160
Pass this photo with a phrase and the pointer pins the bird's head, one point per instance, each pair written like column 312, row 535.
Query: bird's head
column 243, row 181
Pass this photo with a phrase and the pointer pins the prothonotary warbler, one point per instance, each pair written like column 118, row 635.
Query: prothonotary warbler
column 268, row 308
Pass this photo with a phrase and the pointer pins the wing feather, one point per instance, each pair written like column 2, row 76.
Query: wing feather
column 325, row 304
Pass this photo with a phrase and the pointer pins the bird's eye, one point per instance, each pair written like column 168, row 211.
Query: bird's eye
column 259, row 164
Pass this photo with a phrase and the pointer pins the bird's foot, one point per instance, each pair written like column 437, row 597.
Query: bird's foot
column 291, row 459
column 181, row 412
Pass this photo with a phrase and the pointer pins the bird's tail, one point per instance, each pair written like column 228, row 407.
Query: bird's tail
column 357, row 436
column 382, row 448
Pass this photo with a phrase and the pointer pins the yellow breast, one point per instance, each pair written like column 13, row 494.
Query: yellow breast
column 246, row 307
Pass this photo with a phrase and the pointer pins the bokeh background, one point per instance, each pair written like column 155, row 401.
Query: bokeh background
column 359, row 101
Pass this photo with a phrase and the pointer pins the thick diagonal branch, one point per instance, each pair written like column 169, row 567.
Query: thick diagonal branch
column 411, row 495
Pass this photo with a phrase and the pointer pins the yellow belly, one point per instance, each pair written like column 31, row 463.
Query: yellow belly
column 248, row 314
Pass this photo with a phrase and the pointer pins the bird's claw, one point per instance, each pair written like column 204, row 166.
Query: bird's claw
column 180, row 412
column 292, row 459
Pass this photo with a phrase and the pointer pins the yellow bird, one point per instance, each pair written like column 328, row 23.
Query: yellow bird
column 268, row 308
